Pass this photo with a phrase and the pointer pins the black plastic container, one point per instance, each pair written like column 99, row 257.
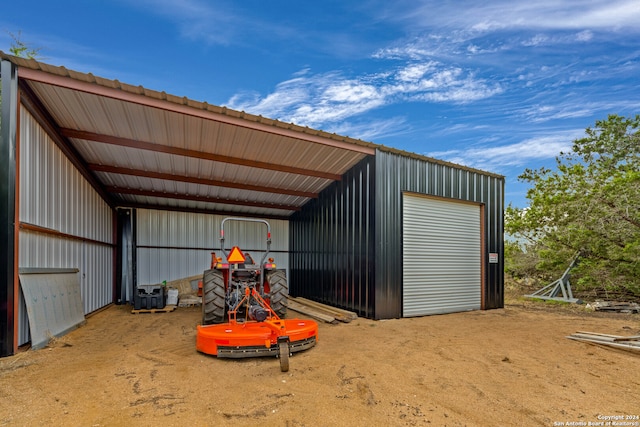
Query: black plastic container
column 148, row 297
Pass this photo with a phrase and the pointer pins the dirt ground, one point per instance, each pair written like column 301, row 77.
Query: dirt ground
column 507, row 367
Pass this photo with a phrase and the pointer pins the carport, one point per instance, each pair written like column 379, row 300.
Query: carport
column 79, row 153
column 139, row 147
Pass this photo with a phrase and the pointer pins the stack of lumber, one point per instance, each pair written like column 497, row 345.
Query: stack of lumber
column 627, row 343
column 322, row 312
column 620, row 307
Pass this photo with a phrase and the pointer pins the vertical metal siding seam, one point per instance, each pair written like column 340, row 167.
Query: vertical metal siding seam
column 56, row 196
column 324, row 232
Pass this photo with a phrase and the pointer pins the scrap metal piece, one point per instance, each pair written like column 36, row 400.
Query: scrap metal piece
column 627, row 343
column 560, row 286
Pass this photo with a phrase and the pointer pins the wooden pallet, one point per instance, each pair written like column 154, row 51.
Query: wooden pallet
column 166, row 309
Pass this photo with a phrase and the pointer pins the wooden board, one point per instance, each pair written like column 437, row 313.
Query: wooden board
column 338, row 314
column 166, row 309
column 343, row 313
column 632, row 338
column 308, row 311
column 628, row 343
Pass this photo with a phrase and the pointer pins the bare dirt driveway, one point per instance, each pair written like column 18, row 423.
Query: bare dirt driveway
column 507, row 367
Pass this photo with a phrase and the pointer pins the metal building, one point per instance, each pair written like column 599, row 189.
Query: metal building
column 128, row 186
column 402, row 235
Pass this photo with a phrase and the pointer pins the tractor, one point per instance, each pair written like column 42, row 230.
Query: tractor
column 244, row 305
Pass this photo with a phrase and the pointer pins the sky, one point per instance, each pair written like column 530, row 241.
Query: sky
column 500, row 86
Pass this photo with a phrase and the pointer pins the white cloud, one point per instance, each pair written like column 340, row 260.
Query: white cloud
column 523, row 14
column 371, row 130
column 518, row 154
column 221, row 22
column 351, row 91
column 584, row 36
column 415, row 72
column 323, row 100
column 537, row 40
column 313, row 100
column 544, row 113
column 457, row 55
column 288, row 95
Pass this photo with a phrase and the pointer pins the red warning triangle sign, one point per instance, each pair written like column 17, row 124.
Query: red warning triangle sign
column 235, row 256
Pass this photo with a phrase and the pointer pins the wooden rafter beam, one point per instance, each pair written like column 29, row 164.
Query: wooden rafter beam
column 196, row 198
column 158, row 148
column 205, row 211
column 196, row 180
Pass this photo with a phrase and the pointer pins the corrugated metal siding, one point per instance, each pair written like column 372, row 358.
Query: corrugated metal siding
column 346, row 246
column 332, row 243
column 173, row 245
column 441, row 256
column 396, row 174
column 54, row 195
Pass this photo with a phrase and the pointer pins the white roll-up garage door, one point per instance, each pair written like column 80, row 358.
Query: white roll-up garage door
column 441, row 256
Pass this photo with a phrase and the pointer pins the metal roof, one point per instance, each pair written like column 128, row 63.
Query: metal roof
column 144, row 148
column 140, row 147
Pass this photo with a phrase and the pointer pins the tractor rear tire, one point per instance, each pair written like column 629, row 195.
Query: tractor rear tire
column 278, row 291
column 213, row 297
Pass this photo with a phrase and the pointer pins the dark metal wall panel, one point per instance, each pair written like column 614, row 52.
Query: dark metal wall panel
column 388, row 232
column 8, row 162
column 494, row 292
column 396, row 174
column 332, row 244
column 346, row 246
column 125, row 260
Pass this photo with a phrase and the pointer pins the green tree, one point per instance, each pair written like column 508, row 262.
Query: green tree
column 22, row 49
column 589, row 204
